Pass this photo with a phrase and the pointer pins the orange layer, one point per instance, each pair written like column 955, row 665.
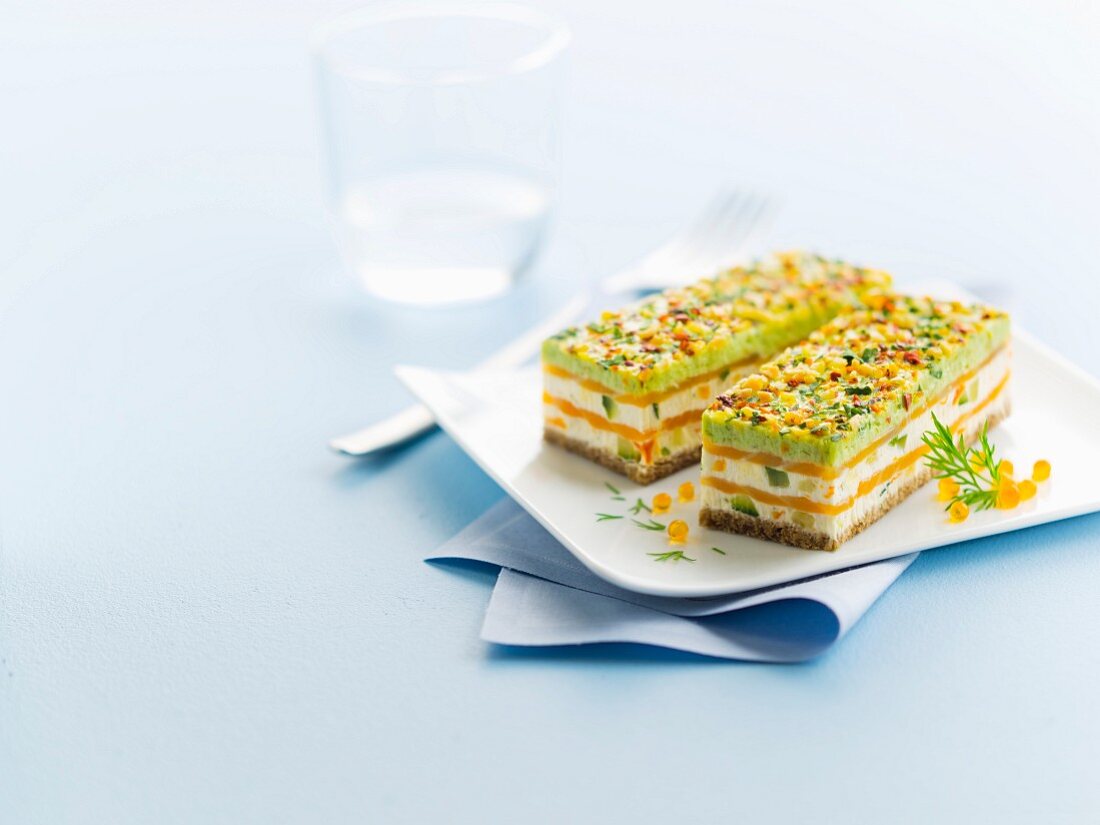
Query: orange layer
column 599, row 422
column 866, row 486
column 794, row 502
column 822, row 471
column 645, row 399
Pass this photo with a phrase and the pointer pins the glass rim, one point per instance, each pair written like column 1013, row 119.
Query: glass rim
column 556, row 37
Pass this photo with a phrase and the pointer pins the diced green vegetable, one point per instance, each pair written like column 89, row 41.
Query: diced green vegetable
column 970, row 393
column 656, row 409
column 744, row 504
column 610, row 406
column 899, row 441
column 777, row 478
column 804, row 520
column 627, row 451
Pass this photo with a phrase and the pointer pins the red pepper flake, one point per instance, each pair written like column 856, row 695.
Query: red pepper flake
column 912, row 358
column 907, row 399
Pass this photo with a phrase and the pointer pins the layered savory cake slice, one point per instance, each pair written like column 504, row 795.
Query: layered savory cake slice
column 629, row 390
column 825, row 438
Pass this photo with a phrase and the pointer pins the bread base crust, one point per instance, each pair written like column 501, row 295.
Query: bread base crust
column 795, row 536
column 635, row 471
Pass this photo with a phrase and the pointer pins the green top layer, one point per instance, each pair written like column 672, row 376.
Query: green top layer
column 854, row 380
column 744, row 313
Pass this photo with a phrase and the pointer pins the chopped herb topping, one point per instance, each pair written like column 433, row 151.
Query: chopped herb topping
column 822, row 387
column 645, row 338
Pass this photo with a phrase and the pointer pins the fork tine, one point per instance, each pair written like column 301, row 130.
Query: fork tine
column 736, row 227
column 727, row 221
column 740, row 228
column 681, row 246
column 734, row 223
column 722, row 207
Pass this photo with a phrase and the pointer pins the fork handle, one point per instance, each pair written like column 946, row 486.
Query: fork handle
column 386, row 434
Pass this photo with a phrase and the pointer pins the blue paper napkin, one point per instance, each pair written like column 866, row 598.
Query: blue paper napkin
column 544, row 596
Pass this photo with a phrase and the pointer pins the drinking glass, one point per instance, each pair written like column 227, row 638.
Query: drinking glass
column 440, row 125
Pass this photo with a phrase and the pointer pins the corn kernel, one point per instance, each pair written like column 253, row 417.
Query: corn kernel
column 661, row 502
column 686, row 491
column 719, row 465
column 678, row 531
column 788, row 398
column 948, row 489
column 755, row 382
column 958, row 512
column 1027, row 489
column 1008, row 496
column 1041, row 470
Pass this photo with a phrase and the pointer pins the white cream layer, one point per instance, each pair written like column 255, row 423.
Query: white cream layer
column 644, row 419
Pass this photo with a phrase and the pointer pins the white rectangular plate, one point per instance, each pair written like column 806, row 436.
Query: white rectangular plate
column 497, row 419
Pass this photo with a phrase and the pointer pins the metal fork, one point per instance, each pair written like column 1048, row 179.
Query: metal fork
column 722, row 230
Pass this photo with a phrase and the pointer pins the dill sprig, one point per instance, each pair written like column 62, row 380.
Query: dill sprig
column 612, row 487
column 718, row 550
column 640, row 505
column 606, row 516
column 670, row 555
column 651, row 525
column 976, row 470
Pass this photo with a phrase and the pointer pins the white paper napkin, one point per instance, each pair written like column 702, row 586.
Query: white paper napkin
column 544, row 596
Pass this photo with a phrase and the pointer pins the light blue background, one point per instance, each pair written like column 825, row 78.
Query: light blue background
column 205, row 616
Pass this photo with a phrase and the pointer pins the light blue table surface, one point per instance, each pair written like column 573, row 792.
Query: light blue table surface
column 207, row 617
